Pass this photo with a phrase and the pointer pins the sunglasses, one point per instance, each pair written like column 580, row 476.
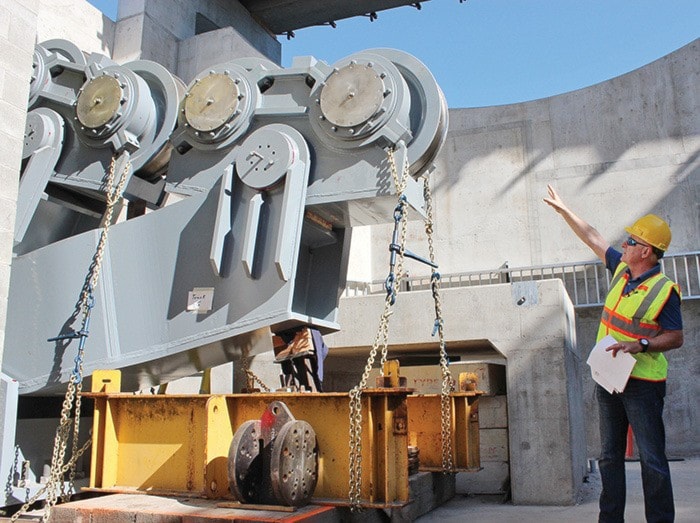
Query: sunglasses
column 632, row 242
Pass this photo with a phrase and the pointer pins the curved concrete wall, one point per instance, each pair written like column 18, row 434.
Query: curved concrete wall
column 615, row 151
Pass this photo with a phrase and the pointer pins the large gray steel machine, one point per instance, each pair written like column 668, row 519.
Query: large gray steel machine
column 240, row 192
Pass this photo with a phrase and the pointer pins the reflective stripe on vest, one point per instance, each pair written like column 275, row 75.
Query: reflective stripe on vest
column 631, row 317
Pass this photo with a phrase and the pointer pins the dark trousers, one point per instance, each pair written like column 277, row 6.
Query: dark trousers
column 640, row 406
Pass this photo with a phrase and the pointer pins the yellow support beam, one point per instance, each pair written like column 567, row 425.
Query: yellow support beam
column 179, row 444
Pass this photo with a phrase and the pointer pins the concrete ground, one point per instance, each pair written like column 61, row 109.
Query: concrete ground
column 475, row 509
column 485, row 509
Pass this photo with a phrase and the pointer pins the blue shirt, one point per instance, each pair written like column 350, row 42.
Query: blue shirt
column 670, row 317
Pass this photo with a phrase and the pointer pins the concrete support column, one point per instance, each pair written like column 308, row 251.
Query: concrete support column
column 532, row 325
column 18, row 20
column 153, row 30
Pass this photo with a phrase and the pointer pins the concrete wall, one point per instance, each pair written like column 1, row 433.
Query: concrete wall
column 16, row 48
column 615, row 151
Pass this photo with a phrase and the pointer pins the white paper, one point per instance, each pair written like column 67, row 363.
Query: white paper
column 610, row 373
column 200, row 299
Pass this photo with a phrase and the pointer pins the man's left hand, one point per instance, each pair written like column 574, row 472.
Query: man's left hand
column 630, row 347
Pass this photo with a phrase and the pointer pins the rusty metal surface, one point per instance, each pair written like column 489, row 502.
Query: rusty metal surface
column 245, row 462
column 425, row 432
column 294, row 464
column 181, row 442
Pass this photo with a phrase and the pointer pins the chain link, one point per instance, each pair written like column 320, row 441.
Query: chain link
column 381, row 339
column 393, row 282
column 447, row 385
column 251, row 377
column 73, row 397
column 30, row 501
column 11, row 476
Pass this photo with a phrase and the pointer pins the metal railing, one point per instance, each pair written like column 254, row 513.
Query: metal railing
column 587, row 282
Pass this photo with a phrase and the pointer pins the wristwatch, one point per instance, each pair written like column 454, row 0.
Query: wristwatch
column 644, row 343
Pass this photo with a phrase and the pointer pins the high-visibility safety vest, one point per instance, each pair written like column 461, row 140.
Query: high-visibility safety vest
column 631, row 317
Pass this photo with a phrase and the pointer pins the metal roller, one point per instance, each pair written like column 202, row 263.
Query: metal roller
column 245, row 462
column 104, row 110
column 294, row 463
column 428, row 112
column 113, row 108
column 131, row 107
column 166, row 91
column 217, row 108
column 382, row 96
column 52, row 59
column 364, row 100
column 274, row 460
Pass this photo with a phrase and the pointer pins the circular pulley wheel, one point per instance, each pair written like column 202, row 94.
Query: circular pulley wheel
column 211, row 102
column 352, row 95
column 267, row 155
column 245, row 476
column 99, row 101
column 294, row 463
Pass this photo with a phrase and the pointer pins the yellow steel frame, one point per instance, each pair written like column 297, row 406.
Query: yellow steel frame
column 178, row 444
column 425, row 430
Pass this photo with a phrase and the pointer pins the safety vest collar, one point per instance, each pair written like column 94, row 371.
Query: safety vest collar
column 623, row 271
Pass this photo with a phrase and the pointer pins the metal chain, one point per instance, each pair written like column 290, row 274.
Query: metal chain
column 11, row 476
column 30, row 501
column 255, row 378
column 251, row 376
column 447, row 385
column 25, row 479
column 75, row 384
column 381, row 339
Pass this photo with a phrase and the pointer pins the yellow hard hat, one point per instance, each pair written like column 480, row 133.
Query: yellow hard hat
column 652, row 230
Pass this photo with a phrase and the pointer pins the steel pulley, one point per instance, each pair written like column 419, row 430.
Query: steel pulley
column 274, row 460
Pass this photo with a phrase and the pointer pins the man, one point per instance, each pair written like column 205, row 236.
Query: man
column 642, row 312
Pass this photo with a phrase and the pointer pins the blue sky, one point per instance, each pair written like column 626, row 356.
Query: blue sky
column 493, row 52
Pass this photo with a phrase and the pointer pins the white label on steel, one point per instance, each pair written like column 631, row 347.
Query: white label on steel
column 200, row 299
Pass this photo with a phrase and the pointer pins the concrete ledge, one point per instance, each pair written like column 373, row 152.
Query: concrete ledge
column 535, row 336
